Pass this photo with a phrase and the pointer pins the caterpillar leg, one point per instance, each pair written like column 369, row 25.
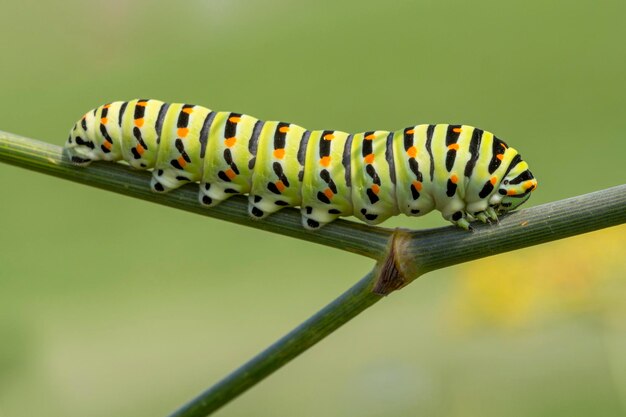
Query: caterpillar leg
column 491, row 214
column 314, row 218
column 164, row 181
column 312, row 224
column 206, row 197
column 460, row 218
column 487, row 216
column 370, row 216
column 212, row 194
column 482, row 216
column 260, row 207
column 462, row 222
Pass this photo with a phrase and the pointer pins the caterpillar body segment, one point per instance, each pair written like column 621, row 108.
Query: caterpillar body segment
column 276, row 180
column 326, row 188
column 140, row 129
column 464, row 172
column 178, row 158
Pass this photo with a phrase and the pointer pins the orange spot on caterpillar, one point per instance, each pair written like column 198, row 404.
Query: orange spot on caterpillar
column 325, row 161
column 142, row 103
column 183, row 132
column 410, row 131
column 454, row 146
column 417, row 185
column 188, row 110
column 107, row 144
column 457, row 130
column 375, row 188
column 528, row 184
column 369, row 158
column 234, row 119
column 329, row 193
column 454, row 179
column 230, row 142
column 370, row 137
column 140, row 149
column 493, row 180
column 511, row 192
column 284, row 129
column 139, row 122
column 412, row 151
column 106, row 106
column 329, row 136
column 503, row 145
column 279, row 153
column 279, row 184
column 181, row 161
column 230, row 173
column 103, row 120
column 500, row 156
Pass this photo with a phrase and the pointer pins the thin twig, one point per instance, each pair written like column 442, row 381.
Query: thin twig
column 324, row 322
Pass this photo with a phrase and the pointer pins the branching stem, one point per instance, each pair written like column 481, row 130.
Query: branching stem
column 401, row 255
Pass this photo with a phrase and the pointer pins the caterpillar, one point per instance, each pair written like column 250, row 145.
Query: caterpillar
column 464, row 172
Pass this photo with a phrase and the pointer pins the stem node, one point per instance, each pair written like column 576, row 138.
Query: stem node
column 395, row 270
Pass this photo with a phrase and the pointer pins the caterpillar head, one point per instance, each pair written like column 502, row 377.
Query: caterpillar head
column 514, row 189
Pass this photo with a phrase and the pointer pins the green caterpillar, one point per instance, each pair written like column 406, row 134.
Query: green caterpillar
column 464, row 172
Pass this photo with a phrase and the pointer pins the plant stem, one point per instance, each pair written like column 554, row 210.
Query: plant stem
column 402, row 255
column 324, row 322
column 416, row 253
column 49, row 159
column 433, row 249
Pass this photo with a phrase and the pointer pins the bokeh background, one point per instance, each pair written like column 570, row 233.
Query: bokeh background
column 111, row 306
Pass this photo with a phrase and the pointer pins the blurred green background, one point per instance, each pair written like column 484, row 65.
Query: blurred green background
column 101, row 317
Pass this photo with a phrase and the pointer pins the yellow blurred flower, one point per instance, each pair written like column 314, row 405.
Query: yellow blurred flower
column 581, row 275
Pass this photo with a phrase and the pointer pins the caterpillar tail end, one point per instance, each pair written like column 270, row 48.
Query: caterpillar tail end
column 77, row 160
column 77, row 155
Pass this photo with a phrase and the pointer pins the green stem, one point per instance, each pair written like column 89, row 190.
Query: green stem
column 324, row 322
column 402, row 255
column 415, row 253
column 49, row 159
column 433, row 249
